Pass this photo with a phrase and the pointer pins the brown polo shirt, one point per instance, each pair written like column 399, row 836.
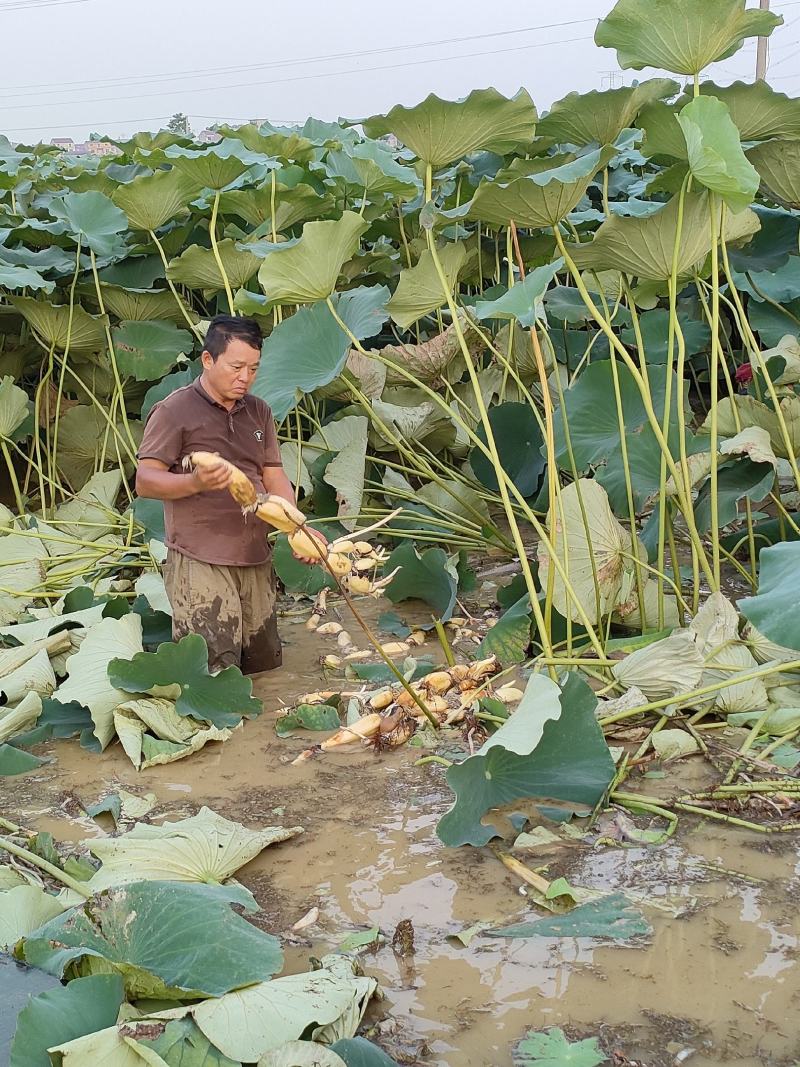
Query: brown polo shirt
column 210, row 526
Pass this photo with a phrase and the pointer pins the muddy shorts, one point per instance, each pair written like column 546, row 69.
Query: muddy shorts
column 233, row 608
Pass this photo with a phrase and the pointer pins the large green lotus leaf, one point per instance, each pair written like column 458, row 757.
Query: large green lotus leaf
column 93, row 218
column 773, row 610
column 594, row 552
column 551, row 1049
column 454, row 500
column 654, row 327
column 86, row 333
column 600, row 117
column 752, row 412
column 778, row 163
column 440, row 131
column 64, row 1014
column 781, row 285
column 220, row 699
column 213, row 167
column 420, row 289
column 136, row 305
column 714, row 151
column 551, row 747
column 510, row 637
column 205, row 848
column 773, row 324
column 662, row 134
column 643, row 247
column 197, row 267
column 537, row 192
column 14, row 407
column 178, row 1044
column 297, row 577
column 81, row 430
column 155, row 934
column 13, row 277
column 88, row 682
column 23, row 909
column 292, row 205
column 426, row 576
column 743, row 480
column 309, row 349
column 681, row 36
column 612, row 917
column 146, row 351
column 757, row 110
column 151, row 200
column 523, row 302
column 308, row 271
column 518, row 437
column 358, row 1052
column 373, row 170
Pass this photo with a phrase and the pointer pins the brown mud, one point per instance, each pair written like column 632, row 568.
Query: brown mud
column 717, row 983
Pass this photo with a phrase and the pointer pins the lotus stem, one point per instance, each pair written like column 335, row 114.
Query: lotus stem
column 43, row 865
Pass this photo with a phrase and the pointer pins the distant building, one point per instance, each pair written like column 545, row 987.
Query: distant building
column 102, row 148
column 66, row 144
column 209, row 137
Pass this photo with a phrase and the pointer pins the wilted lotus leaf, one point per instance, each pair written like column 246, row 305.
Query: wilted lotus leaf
column 715, row 154
column 347, row 439
column 665, row 668
column 160, row 936
column 308, row 271
column 441, row 131
column 81, row 431
column 368, row 375
column 197, row 267
column 88, row 682
column 537, row 192
column 204, row 848
column 146, row 351
column 674, row 744
column 752, row 442
column 152, row 732
column 778, row 163
column 24, row 908
column 595, row 554
column 34, row 676
column 429, row 360
column 407, row 413
column 632, row 615
column 753, row 412
column 766, row 651
column 787, row 349
column 14, row 407
column 21, row 574
column 600, row 117
column 643, row 247
column 420, row 289
column 16, row 720
column 93, row 505
column 715, row 624
column 151, row 200
column 681, row 36
column 716, row 628
column 135, row 305
column 84, row 333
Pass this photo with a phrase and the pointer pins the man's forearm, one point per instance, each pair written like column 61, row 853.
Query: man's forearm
column 164, row 485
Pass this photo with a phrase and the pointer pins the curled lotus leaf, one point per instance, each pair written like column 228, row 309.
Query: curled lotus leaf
column 751, row 412
column 665, row 668
column 308, row 271
column 441, row 131
column 136, row 305
column 429, row 360
column 420, row 290
column 197, row 267
column 757, row 110
column 681, row 36
column 285, row 206
column 600, row 117
column 778, row 163
column 151, row 200
column 715, row 154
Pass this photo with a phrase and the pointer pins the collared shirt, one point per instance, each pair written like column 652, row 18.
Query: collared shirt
column 210, row 526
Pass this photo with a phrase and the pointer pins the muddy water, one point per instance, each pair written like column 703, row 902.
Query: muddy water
column 716, row 984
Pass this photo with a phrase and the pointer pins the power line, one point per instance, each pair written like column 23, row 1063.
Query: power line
column 205, row 71
column 26, row 5
column 304, row 77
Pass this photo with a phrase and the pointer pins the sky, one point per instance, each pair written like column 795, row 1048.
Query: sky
column 72, row 67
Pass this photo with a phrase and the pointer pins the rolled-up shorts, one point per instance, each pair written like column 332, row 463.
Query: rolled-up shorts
column 233, row 608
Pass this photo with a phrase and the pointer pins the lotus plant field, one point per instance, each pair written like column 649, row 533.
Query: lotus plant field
column 565, row 347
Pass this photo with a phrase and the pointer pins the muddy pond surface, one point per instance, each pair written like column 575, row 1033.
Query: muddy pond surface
column 718, row 982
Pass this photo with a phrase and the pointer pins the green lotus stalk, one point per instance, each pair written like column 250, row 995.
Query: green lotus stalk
column 686, row 505
column 53, row 453
column 192, row 325
column 639, row 804
column 12, row 474
column 714, row 383
column 43, row 865
column 212, row 231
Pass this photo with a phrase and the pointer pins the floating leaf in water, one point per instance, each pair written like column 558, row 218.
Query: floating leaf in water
column 611, row 916
column 550, row 1048
column 308, row 717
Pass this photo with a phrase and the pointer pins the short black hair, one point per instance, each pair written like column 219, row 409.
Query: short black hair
column 226, row 328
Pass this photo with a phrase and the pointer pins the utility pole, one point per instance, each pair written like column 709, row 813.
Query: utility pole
column 761, row 54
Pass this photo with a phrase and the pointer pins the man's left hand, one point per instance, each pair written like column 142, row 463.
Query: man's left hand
column 315, row 558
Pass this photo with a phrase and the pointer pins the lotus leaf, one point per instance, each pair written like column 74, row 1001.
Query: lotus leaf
column 429, row 360
column 654, row 327
column 518, row 437
column 644, row 246
column 14, row 407
column 594, row 551
column 773, row 609
column 454, row 500
column 152, row 732
column 425, row 576
column 178, row 1044
column 524, row 302
column 94, row 218
column 136, row 305
column 680, row 36
column 408, row 414
column 308, row 717
column 674, row 744
column 715, row 154
column 752, row 412
column 301, row 1054
column 14, row 277
column 197, row 267
column 182, row 670
column 758, row 111
column 214, row 166
column 611, row 917
column 21, row 574
column 151, row 200
column 160, row 934
column 24, row 908
column 62, row 326
column 510, row 637
column 743, row 480
column 146, row 351
column 90, row 514
column 88, row 682
column 665, row 668
column 291, row 205
column 778, row 163
column 14, row 761
column 372, row 170
column 308, row 270
column 441, row 131
column 34, row 676
column 551, row 1049
column 205, row 848
column 600, row 117
column 420, row 289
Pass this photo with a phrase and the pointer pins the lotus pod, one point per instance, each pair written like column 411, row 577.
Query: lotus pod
column 358, row 731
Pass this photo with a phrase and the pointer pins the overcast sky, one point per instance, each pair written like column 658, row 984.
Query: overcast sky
column 71, row 67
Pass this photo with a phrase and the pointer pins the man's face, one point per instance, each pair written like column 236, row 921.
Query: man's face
column 232, row 373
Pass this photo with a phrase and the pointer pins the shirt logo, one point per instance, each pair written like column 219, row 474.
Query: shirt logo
column 258, row 434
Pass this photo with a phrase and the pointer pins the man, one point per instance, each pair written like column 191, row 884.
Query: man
column 218, row 572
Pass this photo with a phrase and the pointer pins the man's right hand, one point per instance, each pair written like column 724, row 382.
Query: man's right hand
column 206, row 479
